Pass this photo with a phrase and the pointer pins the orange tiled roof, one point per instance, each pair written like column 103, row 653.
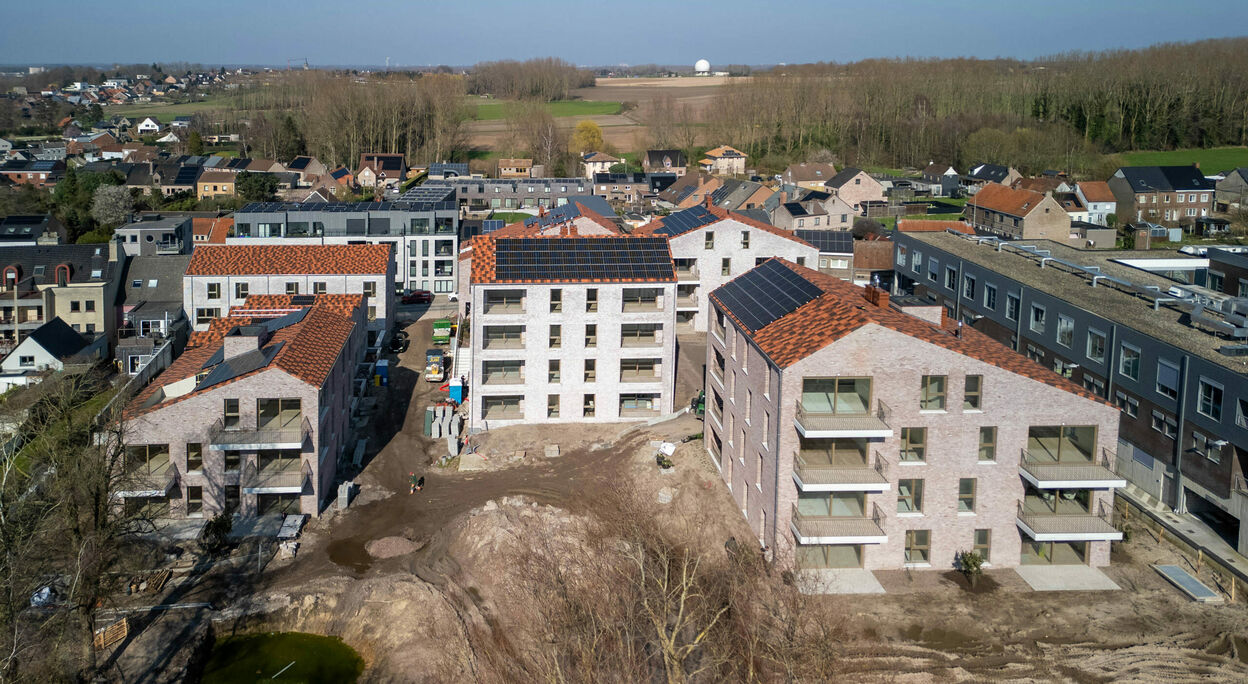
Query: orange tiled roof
column 997, row 197
column 1097, row 191
column 258, row 308
column 289, row 259
column 309, row 350
column 844, row 308
column 921, row 226
column 214, row 230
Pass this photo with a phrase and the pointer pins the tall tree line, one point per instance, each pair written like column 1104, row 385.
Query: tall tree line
column 1062, row 111
column 545, row 79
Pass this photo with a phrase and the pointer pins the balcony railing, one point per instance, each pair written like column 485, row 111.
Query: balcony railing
column 689, row 301
column 504, row 307
column 646, row 341
column 641, row 376
column 1068, row 527
column 236, row 438
column 638, row 412
column 829, row 424
column 503, row 413
column 1045, row 473
column 643, row 305
column 825, row 529
column 275, row 480
column 503, row 343
column 687, row 273
column 148, row 483
column 868, row 476
column 503, row 378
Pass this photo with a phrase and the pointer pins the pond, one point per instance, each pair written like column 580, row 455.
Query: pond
column 282, row 657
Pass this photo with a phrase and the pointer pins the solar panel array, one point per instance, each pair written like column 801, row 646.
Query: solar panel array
column 684, row 221
column 555, row 216
column 427, row 193
column 186, row 175
column 491, row 225
column 582, row 259
column 828, row 241
column 334, row 207
column 765, row 294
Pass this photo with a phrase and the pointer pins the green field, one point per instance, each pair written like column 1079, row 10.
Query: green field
column 509, row 217
column 163, row 112
column 1211, row 160
column 493, row 110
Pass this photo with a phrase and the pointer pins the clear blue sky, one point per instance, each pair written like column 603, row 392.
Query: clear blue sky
column 461, row 32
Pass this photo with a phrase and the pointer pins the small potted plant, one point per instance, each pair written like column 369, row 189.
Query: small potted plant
column 971, row 565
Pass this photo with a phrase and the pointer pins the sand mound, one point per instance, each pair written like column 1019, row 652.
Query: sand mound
column 389, row 547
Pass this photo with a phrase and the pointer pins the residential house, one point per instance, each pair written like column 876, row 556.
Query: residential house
column 1230, row 188
column 19, row 230
column 514, row 168
column 1116, row 330
column 839, row 215
column 664, row 161
column 690, row 190
column 1017, row 214
column 1074, row 206
column 251, row 420
column 873, row 262
column 629, row 188
column 445, row 170
column 5, row 148
column 983, row 174
column 309, row 169
column 801, row 215
column 808, row 175
column 182, row 122
column 1167, row 195
column 1099, row 201
column 378, row 170
column 343, row 178
column 1043, row 184
column 711, row 246
column 723, row 161
column 155, row 234
column 571, row 329
column 40, row 174
column 942, row 179
column 855, row 187
column 221, row 277
column 836, row 251
column 597, row 162
column 859, row 431
column 740, row 195
column 151, row 312
column 46, row 348
column 171, row 137
column 213, row 184
column 77, row 283
column 148, row 126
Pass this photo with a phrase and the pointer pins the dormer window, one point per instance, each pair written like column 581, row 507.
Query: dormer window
column 62, row 275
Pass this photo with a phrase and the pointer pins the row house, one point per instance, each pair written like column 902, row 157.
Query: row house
column 251, row 419
column 76, row 283
column 808, row 175
column 711, row 246
column 150, row 298
column 40, row 174
column 1021, row 214
column 984, row 174
column 857, row 431
column 690, row 190
column 1167, row 195
column 479, row 194
column 423, row 231
column 571, row 329
column 1098, row 201
column 220, row 278
column 855, row 187
column 1170, row 365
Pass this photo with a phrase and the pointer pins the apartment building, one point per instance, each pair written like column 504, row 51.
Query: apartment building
column 77, row 283
column 1020, row 214
column 1167, row 195
column 712, row 246
column 858, row 431
column 1166, row 352
column 479, row 194
column 251, row 419
column 571, row 329
column 150, row 298
column 423, row 227
column 155, row 234
column 221, row 277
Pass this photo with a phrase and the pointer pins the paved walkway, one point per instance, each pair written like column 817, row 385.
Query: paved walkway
column 1189, row 528
column 839, row 581
column 1065, row 578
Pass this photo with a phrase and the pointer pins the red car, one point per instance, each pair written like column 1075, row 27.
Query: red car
column 417, row 297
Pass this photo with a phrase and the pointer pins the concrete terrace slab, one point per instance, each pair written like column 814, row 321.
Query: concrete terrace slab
column 838, row 581
column 471, row 461
column 1065, row 578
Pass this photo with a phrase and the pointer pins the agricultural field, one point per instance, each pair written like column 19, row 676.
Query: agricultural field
column 495, row 109
column 1211, row 160
column 164, row 113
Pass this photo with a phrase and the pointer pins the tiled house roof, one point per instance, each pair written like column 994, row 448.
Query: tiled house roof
column 922, row 226
column 289, row 259
column 1097, row 191
column 211, row 231
column 843, row 308
column 1006, row 200
column 258, row 308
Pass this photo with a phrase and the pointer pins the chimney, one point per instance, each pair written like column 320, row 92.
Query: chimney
column 239, row 341
column 784, row 196
column 707, row 200
column 878, row 296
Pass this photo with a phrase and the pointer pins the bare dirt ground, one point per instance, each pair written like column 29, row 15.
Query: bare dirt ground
column 424, row 585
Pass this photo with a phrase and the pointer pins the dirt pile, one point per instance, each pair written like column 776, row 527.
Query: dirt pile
column 389, row 547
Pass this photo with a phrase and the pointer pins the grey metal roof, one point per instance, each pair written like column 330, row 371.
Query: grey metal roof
column 993, row 173
column 24, row 227
column 446, row 169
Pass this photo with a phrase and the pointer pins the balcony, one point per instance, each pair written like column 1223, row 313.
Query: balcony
column 687, row 274
column 238, row 439
column 1045, row 473
column 636, row 342
column 1042, row 524
column 818, row 423
column 644, row 375
column 275, row 480
column 811, row 476
column 151, row 481
column 502, row 378
column 688, row 301
column 642, row 305
column 838, row 530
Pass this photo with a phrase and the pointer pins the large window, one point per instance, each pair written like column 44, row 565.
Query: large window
column 910, row 496
column 932, row 393
column 918, row 546
column 1012, row 303
column 1167, row 379
column 1096, row 346
column 990, row 296
column 1037, row 318
column 1074, row 443
column 951, row 279
column 1210, row 404
column 836, row 395
column 1129, row 361
column 968, row 287
column 983, row 544
column 229, row 414
column 205, row 315
column 278, row 414
column 1065, row 330
column 988, row 443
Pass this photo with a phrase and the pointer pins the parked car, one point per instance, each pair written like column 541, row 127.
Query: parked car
column 418, row 297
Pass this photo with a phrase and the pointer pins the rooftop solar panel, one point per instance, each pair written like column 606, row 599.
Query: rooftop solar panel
column 763, row 295
column 491, row 225
column 580, row 259
column 684, row 221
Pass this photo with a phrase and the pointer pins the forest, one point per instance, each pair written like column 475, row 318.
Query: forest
column 1065, row 111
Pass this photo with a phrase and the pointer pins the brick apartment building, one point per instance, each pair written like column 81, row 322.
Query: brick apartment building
column 222, row 277
column 1121, row 332
column 1166, row 195
column 858, row 432
column 1000, row 210
column 252, row 417
column 76, row 283
column 571, row 329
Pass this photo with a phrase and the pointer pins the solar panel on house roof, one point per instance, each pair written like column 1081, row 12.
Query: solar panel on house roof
column 186, row 175
column 580, row 259
column 240, row 365
column 684, row 221
column 765, row 294
column 828, row 241
column 491, row 225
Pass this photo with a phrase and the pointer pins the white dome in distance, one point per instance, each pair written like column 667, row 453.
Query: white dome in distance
column 701, row 65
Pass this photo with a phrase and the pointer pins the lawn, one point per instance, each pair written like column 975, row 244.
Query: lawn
column 493, row 110
column 510, row 217
column 1211, row 160
column 164, row 112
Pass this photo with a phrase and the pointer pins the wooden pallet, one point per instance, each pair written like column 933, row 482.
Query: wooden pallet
column 157, row 581
column 107, row 636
